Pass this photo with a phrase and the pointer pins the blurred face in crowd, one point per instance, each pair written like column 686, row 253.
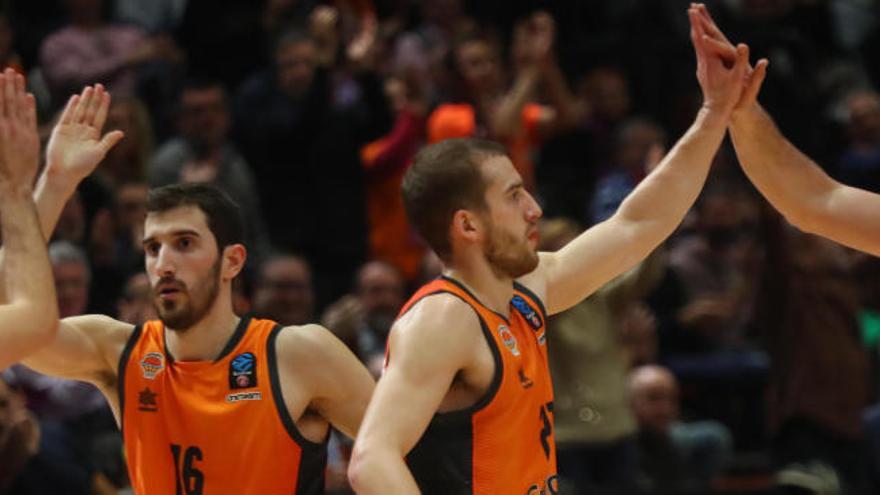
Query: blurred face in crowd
column 635, row 141
column 72, row 287
column 654, row 398
column 295, row 67
column 719, row 218
column 123, row 161
column 479, row 66
column 284, row 292
column 380, row 289
column 608, row 93
column 183, row 265
column 864, row 118
column 131, row 202
column 204, row 118
column 136, row 304
column 511, row 220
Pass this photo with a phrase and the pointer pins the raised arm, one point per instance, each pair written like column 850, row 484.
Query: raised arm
column 656, row 207
column 791, row 181
column 426, row 349
column 29, row 318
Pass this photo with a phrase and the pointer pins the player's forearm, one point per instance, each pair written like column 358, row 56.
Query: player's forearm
column 658, row 204
column 27, row 274
column 795, row 185
column 378, row 472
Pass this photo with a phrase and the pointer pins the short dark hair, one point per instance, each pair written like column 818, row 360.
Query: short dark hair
column 222, row 213
column 446, row 177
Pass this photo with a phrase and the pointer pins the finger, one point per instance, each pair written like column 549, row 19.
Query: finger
column 723, row 50
column 709, row 24
column 30, row 111
column 84, row 100
column 9, row 93
column 742, row 60
column 20, row 100
column 696, row 34
column 103, row 110
column 94, row 104
column 67, row 114
column 756, row 80
column 109, row 140
column 3, row 102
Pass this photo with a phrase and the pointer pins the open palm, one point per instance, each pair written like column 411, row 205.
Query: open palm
column 76, row 146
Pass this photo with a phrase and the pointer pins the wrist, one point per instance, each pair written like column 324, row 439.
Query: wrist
column 744, row 115
column 710, row 116
column 16, row 191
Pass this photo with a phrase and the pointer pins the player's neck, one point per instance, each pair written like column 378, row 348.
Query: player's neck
column 206, row 339
column 493, row 290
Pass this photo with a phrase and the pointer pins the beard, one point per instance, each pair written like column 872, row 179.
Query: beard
column 507, row 255
column 183, row 314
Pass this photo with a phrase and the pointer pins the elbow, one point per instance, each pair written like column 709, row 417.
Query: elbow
column 358, row 468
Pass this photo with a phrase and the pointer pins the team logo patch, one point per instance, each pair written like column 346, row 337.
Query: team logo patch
column 243, row 371
column 147, row 400
column 508, row 339
column 244, row 396
column 152, row 364
column 525, row 380
column 528, row 313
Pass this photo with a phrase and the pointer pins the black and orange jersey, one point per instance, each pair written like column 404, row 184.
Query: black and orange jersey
column 504, row 443
column 212, row 427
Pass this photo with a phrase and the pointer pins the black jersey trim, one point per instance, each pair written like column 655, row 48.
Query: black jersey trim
column 240, row 330
column 535, row 299
column 490, row 394
column 281, row 407
column 120, row 371
column 475, row 298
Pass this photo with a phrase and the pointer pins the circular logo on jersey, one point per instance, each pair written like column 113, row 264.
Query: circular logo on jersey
column 508, row 339
column 243, row 381
column 152, row 364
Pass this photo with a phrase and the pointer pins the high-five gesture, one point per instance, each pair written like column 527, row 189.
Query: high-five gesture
column 76, row 145
column 19, row 141
column 722, row 86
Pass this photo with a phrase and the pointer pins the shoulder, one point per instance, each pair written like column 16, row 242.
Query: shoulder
column 439, row 326
column 307, row 344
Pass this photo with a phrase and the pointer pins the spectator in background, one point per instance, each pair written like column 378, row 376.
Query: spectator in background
column 638, row 142
column 128, row 160
column 91, row 49
column 84, row 430
column 135, row 306
column 391, row 237
column 8, row 56
column 859, row 164
column 155, row 16
column 296, row 135
column 284, row 291
column 487, row 108
column 363, row 319
column 596, row 343
column 674, row 458
column 28, row 468
column 201, row 152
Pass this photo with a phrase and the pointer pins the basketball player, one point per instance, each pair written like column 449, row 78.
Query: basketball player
column 208, row 402
column 465, row 404
column 29, row 316
column 792, row 182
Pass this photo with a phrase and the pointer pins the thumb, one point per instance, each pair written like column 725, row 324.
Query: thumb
column 110, row 139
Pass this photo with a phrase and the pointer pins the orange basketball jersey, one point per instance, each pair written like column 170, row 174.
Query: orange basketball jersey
column 504, row 443
column 212, row 427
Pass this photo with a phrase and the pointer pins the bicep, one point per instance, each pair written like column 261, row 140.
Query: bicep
column 19, row 339
column 83, row 349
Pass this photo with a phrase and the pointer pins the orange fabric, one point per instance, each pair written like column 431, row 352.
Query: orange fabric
column 391, row 237
column 512, row 445
column 188, row 429
column 459, row 120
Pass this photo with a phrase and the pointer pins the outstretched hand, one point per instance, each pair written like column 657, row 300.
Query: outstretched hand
column 716, row 43
column 76, row 146
column 19, row 141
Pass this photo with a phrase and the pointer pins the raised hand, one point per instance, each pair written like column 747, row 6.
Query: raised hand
column 76, row 146
column 717, row 43
column 19, row 141
column 722, row 86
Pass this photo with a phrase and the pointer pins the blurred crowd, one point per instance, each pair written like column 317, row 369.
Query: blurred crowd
column 741, row 355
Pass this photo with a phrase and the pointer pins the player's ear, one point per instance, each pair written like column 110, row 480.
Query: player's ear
column 234, row 257
column 465, row 225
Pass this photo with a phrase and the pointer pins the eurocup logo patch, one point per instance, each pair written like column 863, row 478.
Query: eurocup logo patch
column 152, row 364
column 242, row 371
column 528, row 313
column 508, row 339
